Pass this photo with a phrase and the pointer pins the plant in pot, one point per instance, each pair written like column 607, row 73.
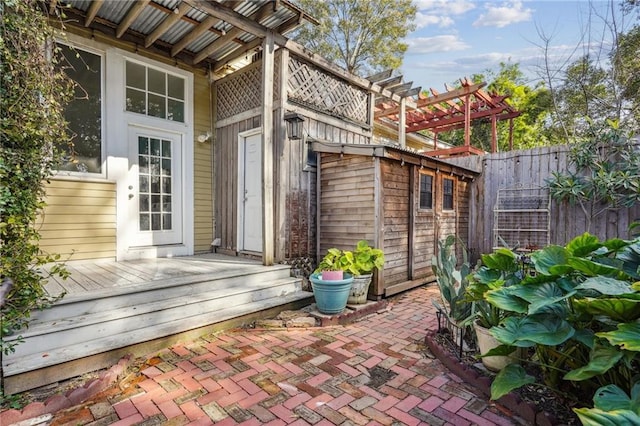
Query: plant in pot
column 330, row 284
column 366, row 260
column 499, row 269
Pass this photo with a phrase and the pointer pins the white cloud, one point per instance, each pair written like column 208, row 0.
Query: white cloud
column 503, row 15
column 442, row 43
column 423, row 20
column 445, row 7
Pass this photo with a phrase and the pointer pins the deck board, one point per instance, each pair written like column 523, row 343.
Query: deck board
column 87, row 276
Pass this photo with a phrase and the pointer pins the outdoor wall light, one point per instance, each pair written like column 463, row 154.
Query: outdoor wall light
column 294, row 125
column 204, row 137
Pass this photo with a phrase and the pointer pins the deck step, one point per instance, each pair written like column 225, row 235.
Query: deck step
column 82, row 325
column 103, row 340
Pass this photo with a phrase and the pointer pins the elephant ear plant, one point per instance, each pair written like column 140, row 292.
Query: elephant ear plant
column 451, row 281
column 579, row 315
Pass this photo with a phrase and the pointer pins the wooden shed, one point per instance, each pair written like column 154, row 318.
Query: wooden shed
column 399, row 200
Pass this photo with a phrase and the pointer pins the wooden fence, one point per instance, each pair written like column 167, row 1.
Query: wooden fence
column 527, row 169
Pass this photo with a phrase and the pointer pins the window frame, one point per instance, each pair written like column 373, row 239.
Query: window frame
column 445, row 195
column 422, row 173
column 147, row 92
column 103, row 111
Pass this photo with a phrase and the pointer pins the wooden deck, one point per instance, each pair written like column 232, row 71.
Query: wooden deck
column 112, row 309
column 89, row 278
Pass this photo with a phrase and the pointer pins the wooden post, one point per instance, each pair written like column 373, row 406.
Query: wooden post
column 467, row 121
column 511, row 134
column 494, row 134
column 402, row 124
column 268, row 48
column 282, row 165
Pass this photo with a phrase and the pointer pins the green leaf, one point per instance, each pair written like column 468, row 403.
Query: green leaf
column 500, row 350
column 607, row 286
column 549, row 257
column 502, row 260
column 617, row 308
column 506, row 298
column 597, row 417
column 509, row 378
column 591, row 268
column 627, row 336
column 583, row 245
column 526, row 331
column 611, row 397
column 601, row 359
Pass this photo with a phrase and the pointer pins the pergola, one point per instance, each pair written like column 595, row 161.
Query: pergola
column 442, row 112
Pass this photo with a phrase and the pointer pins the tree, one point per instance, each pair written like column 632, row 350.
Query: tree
column 626, row 59
column 32, row 129
column 604, row 173
column 362, row 36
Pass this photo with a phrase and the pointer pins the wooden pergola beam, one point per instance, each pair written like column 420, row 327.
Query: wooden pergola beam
column 441, row 126
column 92, row 12
column 168, row 22
column 131, row 16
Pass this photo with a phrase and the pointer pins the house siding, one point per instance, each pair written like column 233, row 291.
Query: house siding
column 396, row 205
column 203, row 187
column 79, row 220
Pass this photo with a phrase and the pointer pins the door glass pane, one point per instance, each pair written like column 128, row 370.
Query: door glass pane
column 155, row 186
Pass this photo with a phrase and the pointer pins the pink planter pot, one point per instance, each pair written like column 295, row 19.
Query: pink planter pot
column 332, row 275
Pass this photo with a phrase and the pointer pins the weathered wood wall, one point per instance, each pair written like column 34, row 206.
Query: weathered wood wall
column 79, row 221
column 532, row 168
column 347, row 201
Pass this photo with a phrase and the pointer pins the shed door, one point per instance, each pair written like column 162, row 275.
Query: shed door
column 250, row 193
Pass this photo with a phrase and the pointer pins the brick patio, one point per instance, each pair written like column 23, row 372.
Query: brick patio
column 374, row 371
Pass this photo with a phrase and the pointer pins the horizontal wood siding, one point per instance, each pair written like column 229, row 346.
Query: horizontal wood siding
column 397, row 205
column 320, row 130
column 347, row 209
column 530, row 168
column 203, row 191
column 79, row 221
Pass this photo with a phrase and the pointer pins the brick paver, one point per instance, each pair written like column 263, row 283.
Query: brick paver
column 318, row 376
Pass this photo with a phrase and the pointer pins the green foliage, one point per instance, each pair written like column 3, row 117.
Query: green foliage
column 363, row 260
column 32, row 128
column 612, row 406
column 451, row 281
column 366, row 258
column 605, row 172
column 577, row 308
column 362, row 36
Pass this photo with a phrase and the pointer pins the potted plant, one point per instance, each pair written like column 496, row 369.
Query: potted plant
column 331, row 286
column 366, row 259
column 499, row 269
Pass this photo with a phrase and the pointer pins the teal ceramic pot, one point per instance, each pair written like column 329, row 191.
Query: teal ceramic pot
column 331, row 296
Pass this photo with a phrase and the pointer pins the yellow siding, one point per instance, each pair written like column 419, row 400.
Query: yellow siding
column 203, row 205
column 79, row 221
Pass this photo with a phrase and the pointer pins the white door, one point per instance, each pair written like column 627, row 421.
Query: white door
column 155, row 196
column 250, row 193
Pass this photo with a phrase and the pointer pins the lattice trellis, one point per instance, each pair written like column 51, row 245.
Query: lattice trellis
column 310, row 86
column 522, row 218
column 239, row 92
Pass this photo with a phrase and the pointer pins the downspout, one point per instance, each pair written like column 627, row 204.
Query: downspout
column 216, row 242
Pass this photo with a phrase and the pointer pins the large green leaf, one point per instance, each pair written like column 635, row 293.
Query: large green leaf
column 597, row 417
column 583, row 244
column 549, row 257
column 611, row 397
column 502, row 260
column 621, row 309
column 507, row 298
column 486, row 275
column 607, row 286
column 601, row 359
column 591, row 268
column 526, row 331
column 627, row 336
column 509, row 378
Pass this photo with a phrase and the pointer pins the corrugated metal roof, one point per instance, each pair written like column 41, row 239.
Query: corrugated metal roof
column 111, row 14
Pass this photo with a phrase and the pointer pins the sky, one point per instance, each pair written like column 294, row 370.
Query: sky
column 458, row 38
